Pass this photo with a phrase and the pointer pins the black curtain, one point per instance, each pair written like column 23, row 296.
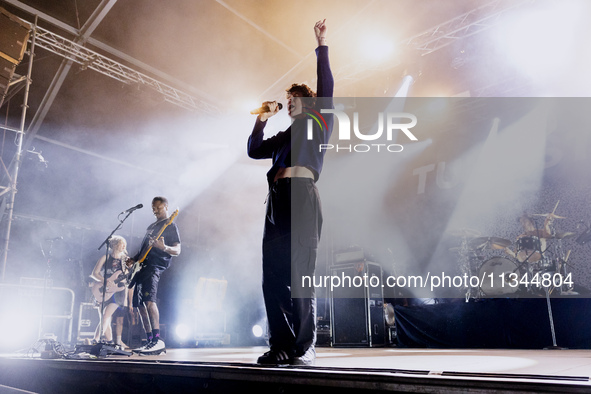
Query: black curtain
column 496, row 323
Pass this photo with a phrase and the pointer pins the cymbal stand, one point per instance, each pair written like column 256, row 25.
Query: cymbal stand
column 534, row 251
column 551, row 319
column 548, row 303
column 560, row 264
column 465, row 265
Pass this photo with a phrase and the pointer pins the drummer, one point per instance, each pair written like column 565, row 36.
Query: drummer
column 532, row 242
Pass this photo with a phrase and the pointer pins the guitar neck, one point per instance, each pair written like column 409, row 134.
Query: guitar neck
column 145, row 254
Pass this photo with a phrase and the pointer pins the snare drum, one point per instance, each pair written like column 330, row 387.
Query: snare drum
column 497, row 279
column 529, row 248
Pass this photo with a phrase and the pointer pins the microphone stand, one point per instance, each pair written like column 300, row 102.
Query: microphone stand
column 102, row 349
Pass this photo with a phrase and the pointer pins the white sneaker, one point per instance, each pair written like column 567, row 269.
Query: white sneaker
column 141, row 348
column 154, row 346
column 307, row 358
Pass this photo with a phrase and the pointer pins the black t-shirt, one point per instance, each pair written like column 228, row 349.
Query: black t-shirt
column 158, row 258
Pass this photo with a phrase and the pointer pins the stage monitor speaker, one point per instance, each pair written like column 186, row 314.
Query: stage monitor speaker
column 14, row 34
column 357, row 306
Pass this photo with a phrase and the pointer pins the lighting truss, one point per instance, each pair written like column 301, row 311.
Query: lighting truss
column 470, row 23
column 465, row 25
column 89, row 59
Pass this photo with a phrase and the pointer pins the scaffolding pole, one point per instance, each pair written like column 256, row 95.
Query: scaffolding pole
column 20, row 134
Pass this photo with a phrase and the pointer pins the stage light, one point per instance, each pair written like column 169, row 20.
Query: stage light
column 182, row 332
column 377, row 47
column 257, row 330
column 407, row 82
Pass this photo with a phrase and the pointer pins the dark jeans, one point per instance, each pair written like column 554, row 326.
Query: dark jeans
column 290, row 242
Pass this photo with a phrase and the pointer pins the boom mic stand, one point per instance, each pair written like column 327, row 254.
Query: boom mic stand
column 102, row 349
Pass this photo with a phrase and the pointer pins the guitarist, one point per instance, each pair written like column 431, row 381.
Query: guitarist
column 117, row 299
column 161, row 251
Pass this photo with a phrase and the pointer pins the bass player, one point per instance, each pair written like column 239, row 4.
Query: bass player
column 160, row 250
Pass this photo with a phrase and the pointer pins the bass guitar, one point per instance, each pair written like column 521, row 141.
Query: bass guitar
column 115, row 283
column 138, row 265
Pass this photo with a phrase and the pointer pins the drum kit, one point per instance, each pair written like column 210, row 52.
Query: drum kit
column 535, row 264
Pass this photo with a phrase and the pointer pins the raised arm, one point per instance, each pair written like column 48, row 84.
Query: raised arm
column 325, row 80
column 320, row 31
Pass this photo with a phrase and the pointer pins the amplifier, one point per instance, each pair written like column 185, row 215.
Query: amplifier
column 348, row 256
column 357, row 307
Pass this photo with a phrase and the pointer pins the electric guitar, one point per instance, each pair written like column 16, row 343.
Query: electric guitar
column 138, row 265
column 115, row 283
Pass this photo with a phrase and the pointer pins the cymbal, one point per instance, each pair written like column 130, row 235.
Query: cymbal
column 549, row 214
column 565, row 235
column 489, row 242
column 464, row 232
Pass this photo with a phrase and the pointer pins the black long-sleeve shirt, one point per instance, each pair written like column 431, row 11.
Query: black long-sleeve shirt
column 291, row 147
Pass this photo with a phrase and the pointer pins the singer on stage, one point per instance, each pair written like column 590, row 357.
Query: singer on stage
column 290, row 241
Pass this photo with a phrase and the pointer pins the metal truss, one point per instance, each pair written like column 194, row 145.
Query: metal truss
column 465, row 25
column 470, row 23
column 89, row 59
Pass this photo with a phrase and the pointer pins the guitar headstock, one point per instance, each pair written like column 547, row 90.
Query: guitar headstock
column 174, row 215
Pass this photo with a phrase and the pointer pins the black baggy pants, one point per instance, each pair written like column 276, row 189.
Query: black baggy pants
column 290, row 243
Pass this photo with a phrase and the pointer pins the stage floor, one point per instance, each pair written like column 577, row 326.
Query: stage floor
column 356, row 369
column 564, row 363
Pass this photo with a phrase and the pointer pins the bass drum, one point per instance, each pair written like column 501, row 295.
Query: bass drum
column 496, row 277
column 529, row 248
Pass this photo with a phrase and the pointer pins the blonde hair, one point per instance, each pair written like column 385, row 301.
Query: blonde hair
column 117, row 240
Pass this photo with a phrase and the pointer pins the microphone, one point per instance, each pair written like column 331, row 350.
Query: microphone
column 264, row 108
column 132, row 209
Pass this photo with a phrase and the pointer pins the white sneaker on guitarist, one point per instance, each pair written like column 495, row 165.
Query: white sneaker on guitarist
column 157, row 345
column 139, row 349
